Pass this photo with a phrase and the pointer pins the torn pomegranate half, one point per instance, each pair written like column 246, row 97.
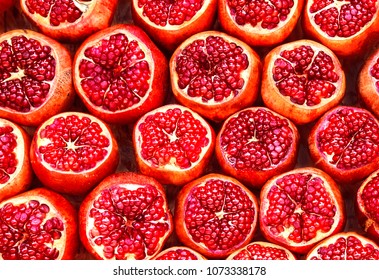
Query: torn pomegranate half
column 181, row 253
column 126, row 217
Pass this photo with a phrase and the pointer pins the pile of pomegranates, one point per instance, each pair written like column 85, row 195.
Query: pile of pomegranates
column 189, row 130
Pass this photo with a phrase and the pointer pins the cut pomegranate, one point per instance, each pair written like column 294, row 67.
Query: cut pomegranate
column 345, row 246
column 69, row 20
column 215, row 74
column 260, row 23
column 345, row 143
column 120, row 74
column 215, row 215
column 346, row 27
column 72, row 152
column 260, row 250
column 35, row 77
column 299, row 208
column 173, row 144
column 179, row 253
column 125, row 217
column 171, row 22
column 255, row 144
column 38, row 225
column 302, row 80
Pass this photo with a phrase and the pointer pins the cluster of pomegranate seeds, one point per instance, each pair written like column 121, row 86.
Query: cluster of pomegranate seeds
column 129, row 221
column 370, row 197
column 374, row 71
column 266, row 13
column 178, row 254
column 26, row 69
column 73, row 144
column 211, row 69
column 27, row 232
column 256, row 251
column 8, row 160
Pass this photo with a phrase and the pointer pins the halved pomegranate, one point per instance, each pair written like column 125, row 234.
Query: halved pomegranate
column 179, row 253
column 72, row 152
column 15, row 170
column 346, row 27
column 215, row 215
column 35, row 77
column 169, row 23
column 345, row 246
column 125, row 217
column 261, row 250
column 69, row 20
column 345, row 143
column 299, row 208
column 120, row 74
column 256, row 144
column 302, row 80
column 173, row 144
column 215, row 74
column 259, row 23
column 38, row 225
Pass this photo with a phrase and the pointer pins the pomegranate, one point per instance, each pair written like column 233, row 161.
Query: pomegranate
column 215, row 215
column 345, row 143
column 346, row 27
column 256, row 144
column 299, row 208
column 69, row 20
column 173, row 144
column 179, row 253
column 125, row 217
column 72, row 152
column 302, row 80
column 215, row 74
column 345, row 246
column 367, row 205
column 35, row 77
column 120, row 74
column 261, row 250
column 259, row 23
column 6, row 4
column 38, row 225
column 169, row 23
column 15, row 171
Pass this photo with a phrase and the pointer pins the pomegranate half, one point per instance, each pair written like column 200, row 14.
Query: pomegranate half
column 179, row 253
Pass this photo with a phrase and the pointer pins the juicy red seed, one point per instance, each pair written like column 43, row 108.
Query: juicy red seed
column 370, row 197
column 219, row 214
column 8, row 160
column 343, row 20
column 264, row 14
column 211, row 69
column 76, row 144
column 163, row 12
column 179, row 254
column 25, row 233
column 374, row 72
column 350, row 138
column 256, row 140
column 173, row 135
column 129, row 221
column 259, row 252
column 349, row 248
column 115, row 73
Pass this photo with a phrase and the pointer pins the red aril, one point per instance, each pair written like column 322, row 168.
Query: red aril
column 301, row 80
column 256, row 144
column 259, row 23
column 345, row 246
column 179, row 253
column 346, row 27
column 120, row 74
column 35, row 77
column 299, row 208
column 38, row 225
column 215, row 74
column 72, row 152
column 171, row 22
column 261, row 250
column 215, row 215
column 6, row 4
column 125, row 217
column 69, row 20
column 173, row 144
column 15, row 171
column 345, row 143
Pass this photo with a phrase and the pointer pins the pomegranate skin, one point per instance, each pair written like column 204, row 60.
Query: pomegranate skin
column 6, row 4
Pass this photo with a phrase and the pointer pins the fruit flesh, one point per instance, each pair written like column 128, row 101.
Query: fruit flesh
column 259, row 252
column 370, row 198
column 8, row 160
column 178, row 254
